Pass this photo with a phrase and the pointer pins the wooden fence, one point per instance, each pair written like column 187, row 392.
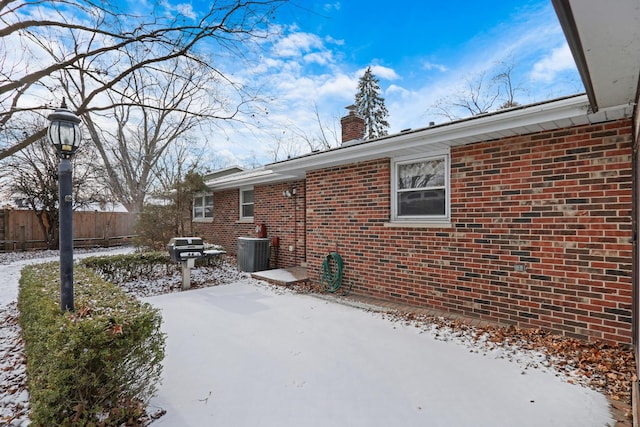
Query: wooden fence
column 20, row 230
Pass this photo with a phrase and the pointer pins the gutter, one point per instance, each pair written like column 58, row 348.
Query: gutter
column 544, row 116
column 473, row 129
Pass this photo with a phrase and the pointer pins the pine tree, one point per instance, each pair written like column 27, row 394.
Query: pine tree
column 370, row 106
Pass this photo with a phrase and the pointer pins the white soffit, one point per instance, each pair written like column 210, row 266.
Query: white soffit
column 608, row 34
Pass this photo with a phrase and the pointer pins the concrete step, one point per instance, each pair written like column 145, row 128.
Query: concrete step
column 282, row 276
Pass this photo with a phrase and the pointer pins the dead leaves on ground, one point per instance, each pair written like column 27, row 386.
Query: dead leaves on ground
column 606, row 368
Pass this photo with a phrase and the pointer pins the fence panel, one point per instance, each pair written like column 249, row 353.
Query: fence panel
column 20, row 230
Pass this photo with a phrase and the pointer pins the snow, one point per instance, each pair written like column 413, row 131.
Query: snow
column 245, row 353
column 12, row 262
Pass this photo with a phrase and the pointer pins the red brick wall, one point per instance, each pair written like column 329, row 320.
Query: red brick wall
column 353, row 127
column 226, row 227
column 283, row 216
column 558, row 203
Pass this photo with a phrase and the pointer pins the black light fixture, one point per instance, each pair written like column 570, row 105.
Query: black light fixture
column 64, row 134
column 64, row 131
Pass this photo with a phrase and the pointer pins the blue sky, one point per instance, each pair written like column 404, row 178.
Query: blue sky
column 421, row 51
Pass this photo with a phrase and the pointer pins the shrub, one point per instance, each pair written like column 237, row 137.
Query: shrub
column 155, row 226
column 142, row 265
column 96, row 366
column 125, row 268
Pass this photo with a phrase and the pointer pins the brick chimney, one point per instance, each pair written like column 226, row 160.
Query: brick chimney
column 353, row 126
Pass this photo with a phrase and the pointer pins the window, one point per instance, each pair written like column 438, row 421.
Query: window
column 246, row 204
column 420, row 189
column 203, row 206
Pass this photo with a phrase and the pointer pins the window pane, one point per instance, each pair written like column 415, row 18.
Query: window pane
column 428, row 202
column 247, row 196
column 424, row 174
column 247, row 210
column 197, row 206
column 208, row 207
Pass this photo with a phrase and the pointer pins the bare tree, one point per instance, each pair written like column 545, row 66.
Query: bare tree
column 40, row 41
column 282, row 147
column 509, row 89
column 324, row 138
column 151, row 112
column 477, row 96
column 32, row 177
column 179, row 177
column 480, row 94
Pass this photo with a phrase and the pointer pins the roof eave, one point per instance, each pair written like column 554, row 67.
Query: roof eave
column 547, row 116
column 540, row 117
column 570, row 29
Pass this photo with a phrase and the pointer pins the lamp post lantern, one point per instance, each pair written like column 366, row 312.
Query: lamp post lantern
column 64, row 134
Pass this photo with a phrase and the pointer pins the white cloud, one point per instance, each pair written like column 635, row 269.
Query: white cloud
column 322, row 58
column 338, row 86
column 331, row 40
column 380, row 71
column 303, row 71
column 559, row 60
column 184, row 9
column 397, row 91
column 433, row 66
column 330, row 7
column 295, row 44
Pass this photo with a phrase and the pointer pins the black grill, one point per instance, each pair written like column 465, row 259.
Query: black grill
column 184, row 248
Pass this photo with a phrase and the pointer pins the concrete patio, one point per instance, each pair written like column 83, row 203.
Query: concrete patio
column 250, row 354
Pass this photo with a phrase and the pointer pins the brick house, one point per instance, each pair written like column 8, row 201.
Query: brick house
column 523, row 216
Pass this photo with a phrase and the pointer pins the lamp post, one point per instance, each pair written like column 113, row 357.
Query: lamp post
column 64, row 134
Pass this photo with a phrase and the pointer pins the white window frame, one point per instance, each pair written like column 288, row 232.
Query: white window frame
column 242, row 203
column 202, row 197
column 420, row 219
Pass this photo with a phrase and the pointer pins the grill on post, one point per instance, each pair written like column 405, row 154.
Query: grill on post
column 185, row 250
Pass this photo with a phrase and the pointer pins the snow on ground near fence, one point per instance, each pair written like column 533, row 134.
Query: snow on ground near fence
column 246, row 354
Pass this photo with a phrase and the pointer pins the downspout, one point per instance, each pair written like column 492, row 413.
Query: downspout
column 635, row 213
column 295, row 227
column 304, row 230
column 635, row 275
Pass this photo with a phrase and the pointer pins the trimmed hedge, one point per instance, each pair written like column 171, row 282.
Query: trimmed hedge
column 140, row 265
column 96, row 366
column 127, row 267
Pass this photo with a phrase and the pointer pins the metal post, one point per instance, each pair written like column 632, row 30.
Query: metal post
column 66, row 234
column 187, row 265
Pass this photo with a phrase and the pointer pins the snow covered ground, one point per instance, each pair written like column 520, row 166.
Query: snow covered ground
column 250, row 354
column 245, row 354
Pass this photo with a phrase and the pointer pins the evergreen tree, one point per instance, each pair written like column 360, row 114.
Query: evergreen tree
column 370, row 106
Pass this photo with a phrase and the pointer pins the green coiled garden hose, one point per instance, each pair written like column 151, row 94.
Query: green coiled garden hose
column 331, row 275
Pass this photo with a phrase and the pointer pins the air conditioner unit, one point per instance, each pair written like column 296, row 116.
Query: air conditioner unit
column 253, row 254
